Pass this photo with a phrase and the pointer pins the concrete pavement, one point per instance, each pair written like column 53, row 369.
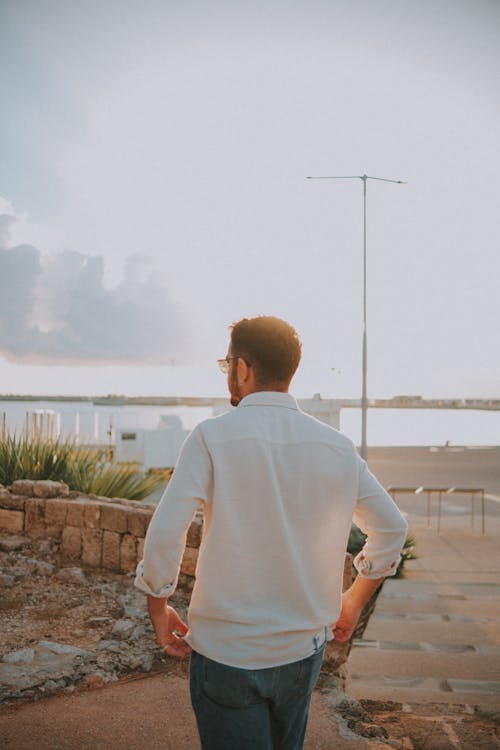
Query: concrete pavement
column 435, row 634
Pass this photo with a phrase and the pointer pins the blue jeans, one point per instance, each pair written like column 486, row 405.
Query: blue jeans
column 252, row 709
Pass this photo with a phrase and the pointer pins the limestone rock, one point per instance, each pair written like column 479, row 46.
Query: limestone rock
column 23, row 487
column 142, row 662
column 51, row 685
column 34, row 517
column 72, row 542
column 24, row 566
column 22, row 656
column 97, row 621
column 336, row 655
column 63, row 648
column 123, row 629
column 40, row 567
column 48, row 488
column 94, row 680
column 131, row 611
column 114, row 518
column 44, row 546
column 11, row 521
column 114, row 647
column 14, row 502
column 16, row 681
column 71, row 575
column 138, row 632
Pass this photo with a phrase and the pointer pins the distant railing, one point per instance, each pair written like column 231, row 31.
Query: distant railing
column 440, row 491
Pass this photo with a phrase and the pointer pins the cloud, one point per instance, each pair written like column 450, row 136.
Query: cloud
column 6, row 223
column 56, row 309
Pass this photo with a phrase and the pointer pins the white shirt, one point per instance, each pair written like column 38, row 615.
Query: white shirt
column 279, row 491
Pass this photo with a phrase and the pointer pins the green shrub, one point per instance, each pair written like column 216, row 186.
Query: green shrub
column 356, row 540
column 408, row 553
column 83, row 468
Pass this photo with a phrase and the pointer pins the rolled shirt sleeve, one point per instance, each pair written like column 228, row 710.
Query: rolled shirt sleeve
column 190, row 486
column 378, row 516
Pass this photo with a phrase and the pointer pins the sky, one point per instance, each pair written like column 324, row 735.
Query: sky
column 153, row 164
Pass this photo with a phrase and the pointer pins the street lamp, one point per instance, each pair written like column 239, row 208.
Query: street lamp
column 364, row 398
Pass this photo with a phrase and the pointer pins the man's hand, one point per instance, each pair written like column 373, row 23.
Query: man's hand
column 348, row 619
column 168, row 627
column 353, row 601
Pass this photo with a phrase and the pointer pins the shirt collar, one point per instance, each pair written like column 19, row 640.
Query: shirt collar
column 270, row 398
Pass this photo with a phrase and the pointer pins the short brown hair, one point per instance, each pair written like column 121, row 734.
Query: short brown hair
column 270, row 344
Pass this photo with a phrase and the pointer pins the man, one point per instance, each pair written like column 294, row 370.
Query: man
column 279, row 490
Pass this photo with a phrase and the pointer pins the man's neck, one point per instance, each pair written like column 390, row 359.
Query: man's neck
column 274, row 387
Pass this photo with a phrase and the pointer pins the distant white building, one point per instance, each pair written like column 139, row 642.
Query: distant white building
column 157, row 448
column 44, row 424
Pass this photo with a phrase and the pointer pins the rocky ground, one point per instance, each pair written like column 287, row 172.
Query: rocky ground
column 64, row 627
column 431, row 726
column 413, row 726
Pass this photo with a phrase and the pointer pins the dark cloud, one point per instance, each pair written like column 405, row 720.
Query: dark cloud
column 56, row 309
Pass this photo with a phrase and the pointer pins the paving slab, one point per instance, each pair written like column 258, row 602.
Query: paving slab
column 433, row 629
column 408, row 588
column 441, row 606
column 423, row 690
column 451, row 575
column 425, row 663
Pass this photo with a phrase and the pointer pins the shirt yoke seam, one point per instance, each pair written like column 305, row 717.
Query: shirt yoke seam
column 262, row 440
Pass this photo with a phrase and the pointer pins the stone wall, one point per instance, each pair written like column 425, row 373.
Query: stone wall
column 97, row 531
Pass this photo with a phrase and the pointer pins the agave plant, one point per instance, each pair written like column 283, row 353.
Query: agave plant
column 114, row 480
column 83, row 468
column 37, row 459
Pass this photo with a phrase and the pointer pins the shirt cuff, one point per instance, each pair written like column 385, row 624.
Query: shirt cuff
column 365, row 568
column 141, row 583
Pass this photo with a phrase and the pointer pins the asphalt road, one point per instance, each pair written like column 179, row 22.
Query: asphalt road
column 439, row 467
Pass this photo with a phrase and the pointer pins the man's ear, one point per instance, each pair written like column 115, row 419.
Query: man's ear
column 242, row 371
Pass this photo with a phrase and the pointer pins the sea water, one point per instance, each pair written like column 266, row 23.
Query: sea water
column 94, row 423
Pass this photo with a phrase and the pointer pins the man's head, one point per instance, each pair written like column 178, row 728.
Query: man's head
column 264, row 353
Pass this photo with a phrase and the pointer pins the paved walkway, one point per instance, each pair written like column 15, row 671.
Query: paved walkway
column 435, row 634
column 151, row 713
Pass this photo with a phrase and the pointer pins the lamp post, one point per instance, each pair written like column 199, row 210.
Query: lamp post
column 364, row 397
